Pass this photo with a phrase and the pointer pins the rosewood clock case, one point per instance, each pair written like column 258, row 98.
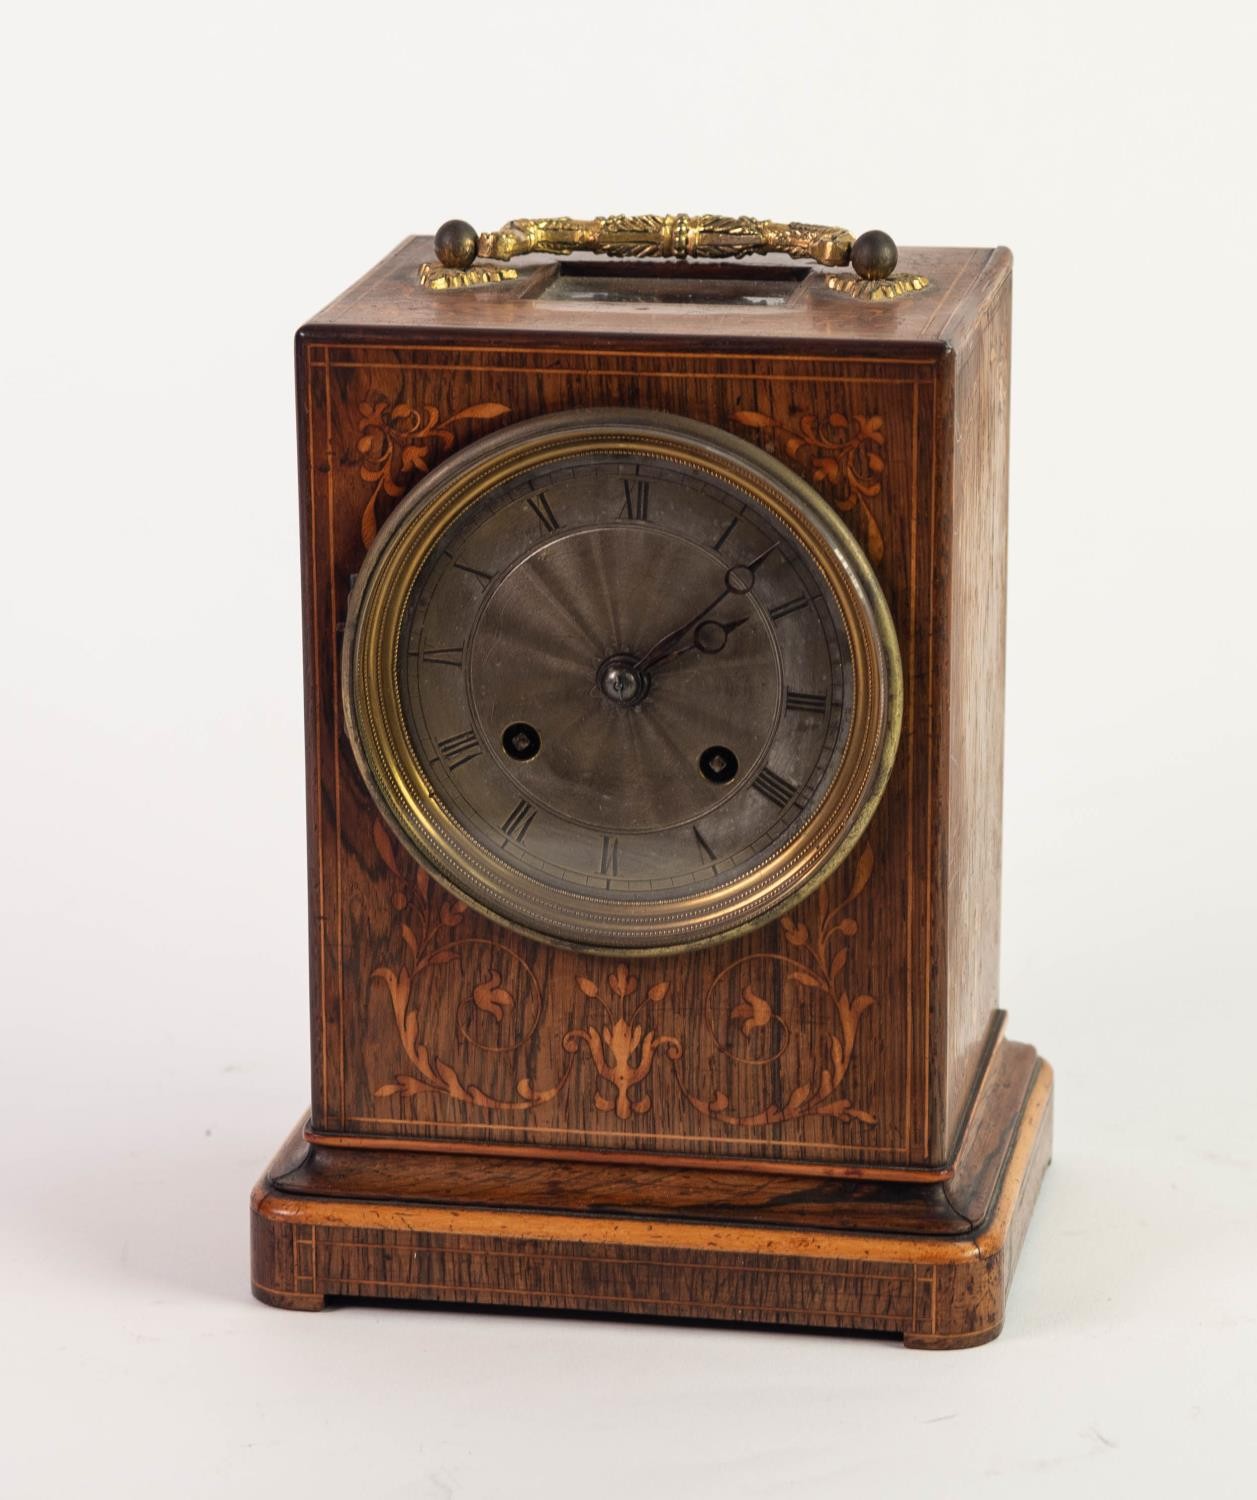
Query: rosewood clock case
column 816, row 1122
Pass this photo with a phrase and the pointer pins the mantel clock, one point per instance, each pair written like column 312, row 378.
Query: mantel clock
column 654, row 636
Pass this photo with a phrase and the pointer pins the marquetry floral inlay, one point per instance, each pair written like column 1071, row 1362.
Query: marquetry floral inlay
column 813, row 963
column 622, row 1052
column 843, row 456
column 398, row 444
column 475, row 968
column 761, row 1014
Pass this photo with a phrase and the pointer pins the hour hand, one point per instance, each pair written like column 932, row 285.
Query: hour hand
column 708, row 636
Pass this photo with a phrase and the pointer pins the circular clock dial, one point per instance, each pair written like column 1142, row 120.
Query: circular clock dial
column 621, row 680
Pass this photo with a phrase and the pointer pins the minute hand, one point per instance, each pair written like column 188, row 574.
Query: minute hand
column 739, row 580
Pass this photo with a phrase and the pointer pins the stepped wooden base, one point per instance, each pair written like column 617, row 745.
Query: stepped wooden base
column 929, row 1258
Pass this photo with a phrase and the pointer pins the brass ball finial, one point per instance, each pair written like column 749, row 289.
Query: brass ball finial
column 874, row 255
column 456, row 244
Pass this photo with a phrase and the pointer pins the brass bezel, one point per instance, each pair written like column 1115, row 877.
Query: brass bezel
column 410, row 805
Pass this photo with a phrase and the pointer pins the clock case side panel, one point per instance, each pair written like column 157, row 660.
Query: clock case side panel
column 970, row 628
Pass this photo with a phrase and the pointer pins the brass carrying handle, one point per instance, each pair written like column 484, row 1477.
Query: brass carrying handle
column 677, row 236
column 873, row 256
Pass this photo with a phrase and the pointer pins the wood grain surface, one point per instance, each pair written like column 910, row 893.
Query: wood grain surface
column 710, row 1189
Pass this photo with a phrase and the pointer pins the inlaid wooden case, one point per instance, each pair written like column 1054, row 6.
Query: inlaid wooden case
column 817, row 1122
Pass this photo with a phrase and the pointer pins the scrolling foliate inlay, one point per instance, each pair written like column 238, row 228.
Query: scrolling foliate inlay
column 498, row 1001
column 775, row 1032
column 745, row 1007
column 398, row 444
column 843, row 456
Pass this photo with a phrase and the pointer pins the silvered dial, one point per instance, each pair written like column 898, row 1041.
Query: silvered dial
column 628, row 673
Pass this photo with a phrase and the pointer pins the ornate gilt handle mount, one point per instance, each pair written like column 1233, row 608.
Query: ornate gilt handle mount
column 674, row 236
column 873, row 256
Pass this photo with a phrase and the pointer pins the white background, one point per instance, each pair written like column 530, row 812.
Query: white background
column 183, row 186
